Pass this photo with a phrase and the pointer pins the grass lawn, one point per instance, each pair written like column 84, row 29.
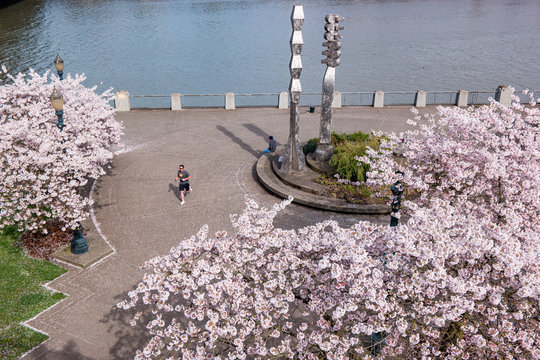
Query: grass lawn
column 22, row 296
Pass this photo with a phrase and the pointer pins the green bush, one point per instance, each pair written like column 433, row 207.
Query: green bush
column 339, row 139
column 344, row 160
column 346, row 148
column 310, row 146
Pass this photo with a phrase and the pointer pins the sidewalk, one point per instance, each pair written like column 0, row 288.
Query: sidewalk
column 138, row 210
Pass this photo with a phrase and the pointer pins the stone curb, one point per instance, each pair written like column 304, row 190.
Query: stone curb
column 98, row 247
column 317, row 166
column 272, row 182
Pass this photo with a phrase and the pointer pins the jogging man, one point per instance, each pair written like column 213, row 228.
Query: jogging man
column 184, row 177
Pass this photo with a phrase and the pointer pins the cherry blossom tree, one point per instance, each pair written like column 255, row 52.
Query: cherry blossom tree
column 440, row 286
column 460, row 279
column 41, row 166
column 485, row 159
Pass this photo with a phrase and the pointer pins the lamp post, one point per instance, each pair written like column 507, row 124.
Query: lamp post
column 79, row 245
column 397, row 191
column 57, row 102
column 59, row 65
column 397, row 187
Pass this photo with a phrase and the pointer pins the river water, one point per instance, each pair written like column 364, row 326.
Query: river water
column 211, row 47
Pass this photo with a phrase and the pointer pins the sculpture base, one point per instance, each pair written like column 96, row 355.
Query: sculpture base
column 323, row 153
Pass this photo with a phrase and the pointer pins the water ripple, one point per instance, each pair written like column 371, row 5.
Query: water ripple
column 201, row 46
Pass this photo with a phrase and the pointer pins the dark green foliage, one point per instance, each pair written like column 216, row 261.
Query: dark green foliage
column 310, row 146
column 346, row 148
column 338, row 139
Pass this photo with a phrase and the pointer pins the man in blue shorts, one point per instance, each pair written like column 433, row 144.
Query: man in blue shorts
column 184, row 177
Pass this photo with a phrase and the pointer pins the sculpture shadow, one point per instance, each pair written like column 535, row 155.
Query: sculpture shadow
column 239, row 141
column 175, row 190
column 258, row 131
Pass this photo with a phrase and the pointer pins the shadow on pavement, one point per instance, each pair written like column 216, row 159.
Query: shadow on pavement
column 174, row 189
column 296, row 216
column 68, row 352
column 258, row 131
column 239, row 141
column 128, row 338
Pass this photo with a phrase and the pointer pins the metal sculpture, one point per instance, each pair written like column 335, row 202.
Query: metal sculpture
column 294, row 156
column 324, row 150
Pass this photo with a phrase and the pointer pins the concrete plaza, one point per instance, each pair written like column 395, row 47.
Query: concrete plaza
column 138, row 212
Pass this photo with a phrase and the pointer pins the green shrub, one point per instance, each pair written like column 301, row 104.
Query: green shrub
column 344, row 160
column 339, row 139
column 310, row 146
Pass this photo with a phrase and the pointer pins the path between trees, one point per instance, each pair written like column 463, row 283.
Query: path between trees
column 137, row 208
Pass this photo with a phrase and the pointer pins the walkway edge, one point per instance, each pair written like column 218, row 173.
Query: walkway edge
column 98, row 246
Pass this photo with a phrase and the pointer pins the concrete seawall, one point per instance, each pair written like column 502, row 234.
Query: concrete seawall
column 124, row 101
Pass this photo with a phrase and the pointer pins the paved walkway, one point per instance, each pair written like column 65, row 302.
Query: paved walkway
column 137, row 209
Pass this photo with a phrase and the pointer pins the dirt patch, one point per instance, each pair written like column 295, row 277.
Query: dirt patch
column 361, row 194
column 42, row 246
column 354, row 196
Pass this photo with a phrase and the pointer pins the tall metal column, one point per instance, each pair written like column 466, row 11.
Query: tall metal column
column 324, row 150
column 294, row 156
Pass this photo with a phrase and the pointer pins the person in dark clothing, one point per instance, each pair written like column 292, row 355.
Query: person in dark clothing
column 271, row 145
column 184, row 177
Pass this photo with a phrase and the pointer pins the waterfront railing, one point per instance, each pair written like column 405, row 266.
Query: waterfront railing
column 420, row 98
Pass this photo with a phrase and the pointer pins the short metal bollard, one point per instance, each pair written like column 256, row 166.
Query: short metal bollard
column 79, row 244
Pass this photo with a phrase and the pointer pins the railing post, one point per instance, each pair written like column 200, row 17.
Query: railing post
column 176, row 102
column 378, row 101
column 283, row 100
column 504, row 95
column 121, row 100
column 229, row 101
column 336, row 102
column 463, row 98
column 420, row 100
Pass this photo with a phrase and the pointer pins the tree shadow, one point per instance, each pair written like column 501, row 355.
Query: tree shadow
column 68, row 352
column 128, row 338
column 239, row 141
column 175, row 190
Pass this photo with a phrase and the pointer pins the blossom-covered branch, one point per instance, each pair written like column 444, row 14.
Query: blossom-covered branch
column 437, row 287
column 41, row 166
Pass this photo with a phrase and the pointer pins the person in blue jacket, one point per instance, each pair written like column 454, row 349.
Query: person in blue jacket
column 271, row 145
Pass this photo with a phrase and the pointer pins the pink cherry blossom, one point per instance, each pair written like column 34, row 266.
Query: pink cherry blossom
column 43, row 167
column 460, row 279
